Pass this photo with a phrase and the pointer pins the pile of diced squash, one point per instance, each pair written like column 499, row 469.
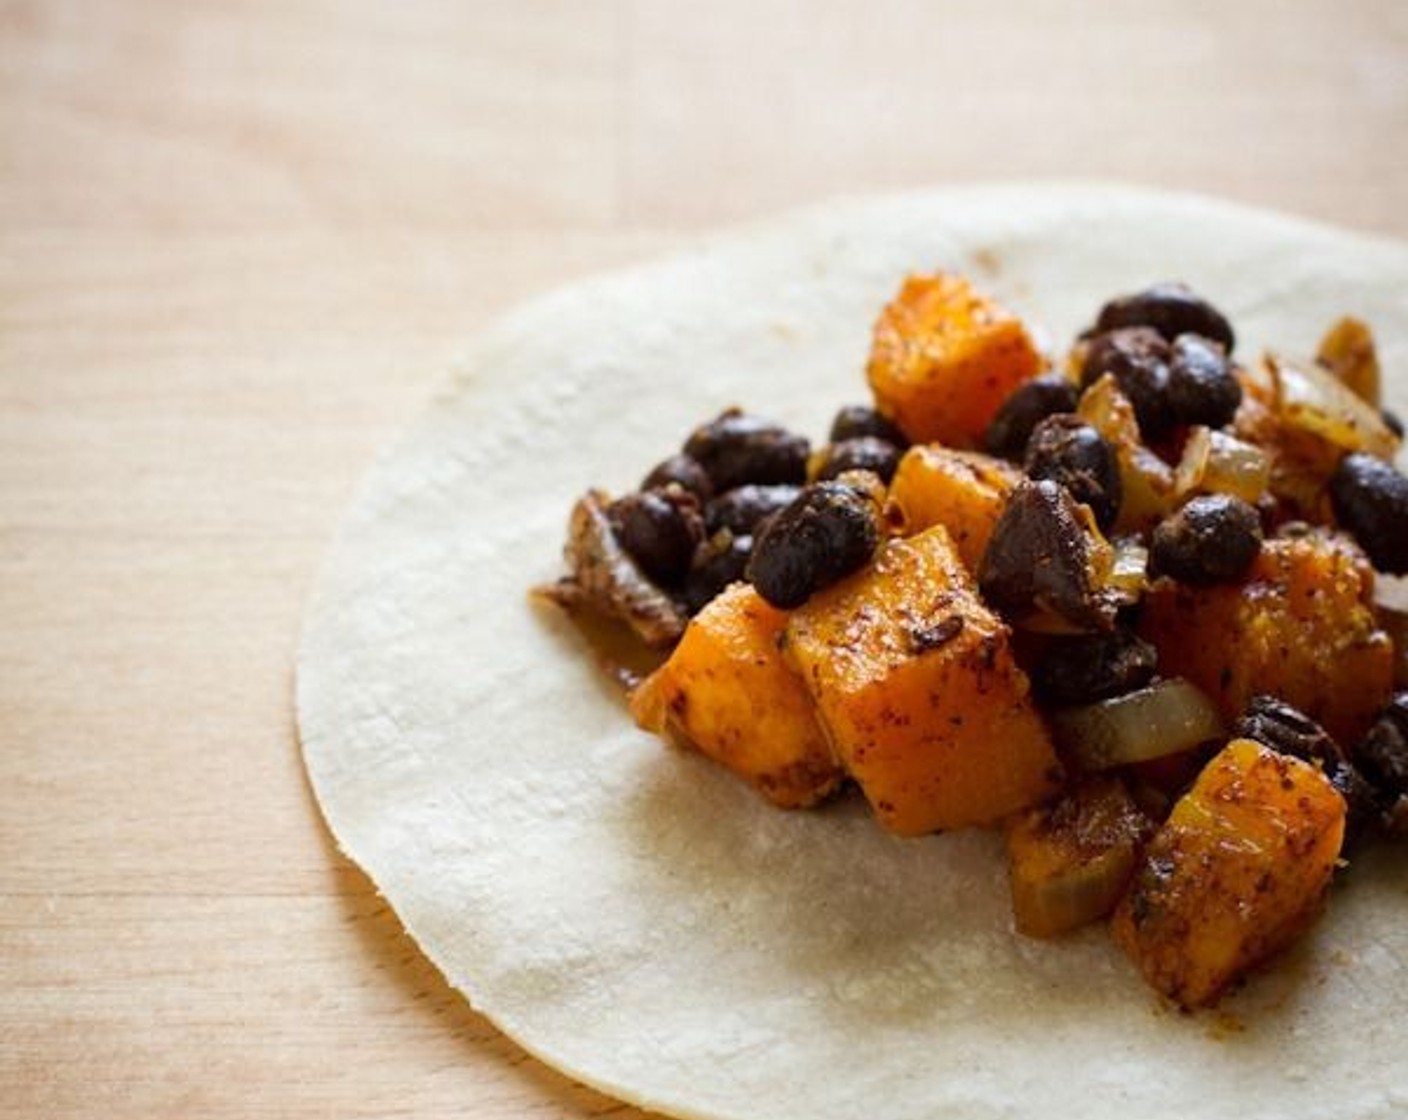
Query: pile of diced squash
column 902, row 680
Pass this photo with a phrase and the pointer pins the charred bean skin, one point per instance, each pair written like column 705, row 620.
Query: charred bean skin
column 1383, row 753
column 735, row 449
column 1038, row 560
column 1089, row 667
column 1202, row 389
column 722, row 560
column 861, row 453
column 681, row 470
column 743, row 508
column 1286, row 729
column 832, row 529
column 660, row 529
column 1212, row 539
column 1067, row 450
column 855, row 421
column 1370, row 499
column 1172, row 310
column 1030, row 404
column 1138, row 359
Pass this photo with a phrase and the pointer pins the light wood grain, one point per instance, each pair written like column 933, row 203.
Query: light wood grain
column 237, row 241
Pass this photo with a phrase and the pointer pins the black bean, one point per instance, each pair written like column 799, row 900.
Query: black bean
column 857, row 420
column 720, row 562
column 1137, row 358
column 1392, row 421
column 1289, row 731
column 860, row 453
column 660, row 529
column 1065, row 449
column 1202, row 389
column 1383, row 753
column 1172, row 310
column 1084, row 668
column 736, row 448
column 681, row 470
column 1286, row 729
column 741, row 509
column 1212, row 539
column 1370, row 499
column 832, row 529
column 1038, row 561
column 1029, row 404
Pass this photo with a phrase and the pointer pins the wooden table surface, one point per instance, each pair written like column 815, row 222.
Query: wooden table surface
column 237, row 242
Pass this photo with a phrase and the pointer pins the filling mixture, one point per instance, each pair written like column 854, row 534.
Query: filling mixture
column 1128, row 607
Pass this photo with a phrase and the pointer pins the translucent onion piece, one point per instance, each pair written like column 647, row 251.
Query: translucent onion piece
column 1348, row 351
column 1146, row 479
column 1069, row 861
column 1313, row 400
column 1215, row 463
column 1165, row 718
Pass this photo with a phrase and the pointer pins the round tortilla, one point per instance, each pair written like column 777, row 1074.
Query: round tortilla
column 637, row 917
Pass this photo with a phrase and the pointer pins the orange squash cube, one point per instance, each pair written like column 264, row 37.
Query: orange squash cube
column 918, row 691
column 727, row 691
column 1301, row 626
column 964, row 491
column 1235, row 874
column 944, row 358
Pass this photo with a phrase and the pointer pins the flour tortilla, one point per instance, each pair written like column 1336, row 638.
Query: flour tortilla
column 638, row 918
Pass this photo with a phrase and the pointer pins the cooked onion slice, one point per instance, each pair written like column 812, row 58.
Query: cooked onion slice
column 1069, row 861
column 1313, row 400
column 1215, row 463
column 1165, row 718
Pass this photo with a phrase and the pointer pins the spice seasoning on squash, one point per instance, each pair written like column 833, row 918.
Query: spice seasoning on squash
column 1299, row 626
column 1236, row 873
column 1156, row 608
column 939, row 734
column 944, row 358
column 727, row 691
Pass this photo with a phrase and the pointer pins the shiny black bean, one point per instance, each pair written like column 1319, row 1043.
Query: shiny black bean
column 735, row 449
column 1212, row 539
column 721, row 561
column 741, row 509
column 857, row 420
column 681, row 470
column 1202, row 389
column 660, row 529
column 1067, row 450
column 1370, row 499
column 1137, row 358
column 1383, row 753
column 1170, row 309
column 860, row 453
column 832, row 529
column 1029, row 404
column 1038, row 561
column 1084, row 668
column 1289, row 731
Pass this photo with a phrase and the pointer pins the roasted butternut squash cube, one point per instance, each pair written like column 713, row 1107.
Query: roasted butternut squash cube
column 727, row 691
column 1070, row 860
column 944, row 358
column 1235, row 874
column 964, row 491
column 917, row 688
column 1300, row 626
